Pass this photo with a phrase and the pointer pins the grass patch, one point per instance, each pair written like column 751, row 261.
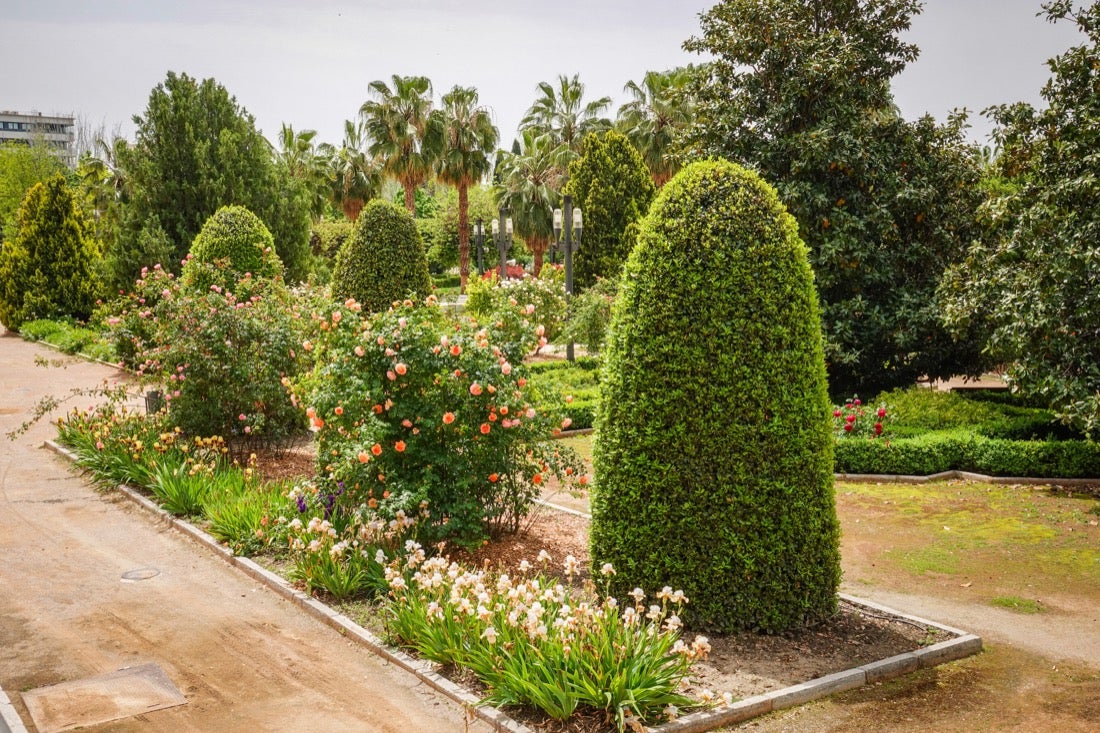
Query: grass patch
column 930, row 560
column 1017, row 604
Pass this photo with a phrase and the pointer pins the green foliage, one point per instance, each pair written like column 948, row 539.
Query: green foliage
column 383, row 261
column 21, row 167
column 915, row 411
column 571, row 387
column 440, row 228
column 412, row 408
column 47, row 267
column 713, row 434
column 963, row 450
column 327, row 237
column 197, row 150
column 533, row 641
column 611, row 184
column 542, row 299
column 801, row 93
column 589, row 314
column 1030, row 286
column 237, row 236
column 69, row 338
column 220, row 357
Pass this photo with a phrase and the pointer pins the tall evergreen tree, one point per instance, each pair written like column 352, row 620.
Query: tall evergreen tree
column 612, row 186
column 801, row 92
column 197, row 150
column 47, row 268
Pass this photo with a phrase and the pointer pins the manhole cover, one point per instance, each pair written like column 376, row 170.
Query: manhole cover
column 132, row 576
column 112, row 696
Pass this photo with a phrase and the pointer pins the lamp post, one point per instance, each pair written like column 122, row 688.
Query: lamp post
column 566, row 237
column 502, row 238
column 479, row 238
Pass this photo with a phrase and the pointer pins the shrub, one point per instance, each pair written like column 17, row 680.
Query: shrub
column 236, row 235
column 856, row 420
column 383, row 261
column 571, row 387
column 713, row 450
column 541, row 298
column 916, row 411
column 589, row 314
column 221, row 359
column 47, row 269
column 411, row 407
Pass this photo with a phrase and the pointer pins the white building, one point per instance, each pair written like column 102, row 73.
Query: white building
column 57, row 132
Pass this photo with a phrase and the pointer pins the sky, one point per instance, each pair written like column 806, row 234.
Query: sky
column 308, row 64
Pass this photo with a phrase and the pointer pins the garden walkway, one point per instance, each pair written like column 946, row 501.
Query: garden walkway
column 245, row 659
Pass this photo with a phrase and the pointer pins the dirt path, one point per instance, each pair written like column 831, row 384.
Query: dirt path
column 245, row 659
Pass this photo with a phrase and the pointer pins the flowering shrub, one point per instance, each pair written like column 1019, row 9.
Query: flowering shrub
column 855, row 420
column 219, row 355
column 410, row 406
column 534, row 641
column 542, row 298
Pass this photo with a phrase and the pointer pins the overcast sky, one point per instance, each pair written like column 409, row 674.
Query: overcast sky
column 309, row 63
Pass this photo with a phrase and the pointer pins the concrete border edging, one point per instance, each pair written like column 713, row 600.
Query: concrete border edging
column 10, row 722
column 965, row 644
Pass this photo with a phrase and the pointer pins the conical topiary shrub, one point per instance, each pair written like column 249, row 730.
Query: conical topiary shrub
column 713, row 452
column 383, row 260
column 232, row 243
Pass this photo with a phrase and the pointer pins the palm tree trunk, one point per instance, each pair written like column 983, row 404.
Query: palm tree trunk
column 463, row 235
column 410, row 198
column 538, row 245
column 352, row 207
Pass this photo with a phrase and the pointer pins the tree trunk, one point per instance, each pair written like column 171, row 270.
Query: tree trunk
column 538, row 245
column 410, row 198
column 351, row 208
column 463, row 235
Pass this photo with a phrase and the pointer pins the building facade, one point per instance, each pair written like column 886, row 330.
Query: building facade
column 57, row 132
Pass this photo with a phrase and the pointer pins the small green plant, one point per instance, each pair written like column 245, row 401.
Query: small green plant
column 180, row 486
column 1017, row 604
column 534, row 641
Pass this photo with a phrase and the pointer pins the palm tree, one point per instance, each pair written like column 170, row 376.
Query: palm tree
column 464, row 135
column 660, row 109
column 355, row 177
column 396, row 121
column 561, row 113
column 307, row 163
column 530, row 179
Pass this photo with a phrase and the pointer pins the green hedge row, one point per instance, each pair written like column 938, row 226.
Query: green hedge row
column 553, row 380
column 69, row 338
column 963, row 450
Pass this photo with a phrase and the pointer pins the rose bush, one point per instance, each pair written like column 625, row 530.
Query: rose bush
column 410, row 406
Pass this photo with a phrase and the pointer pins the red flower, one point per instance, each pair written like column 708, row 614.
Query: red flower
column 882, row 412
column 376, row 449
column 485, row 428
column 399, row 446
column 848, row 428
column 878, row 428
column 448, row 418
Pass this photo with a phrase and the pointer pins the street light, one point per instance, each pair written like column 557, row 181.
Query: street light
column 479, row 238
column 566, row 238
column 502, row 238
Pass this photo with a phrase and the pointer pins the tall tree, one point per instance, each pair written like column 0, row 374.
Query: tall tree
column 561, row 113
column 396, row 123
column 21, row 167
column 659, row 111
column 467, row 138
column 1031, row 283
column 197, row 150
column 47, row 268
column 801, row 92
column 530, row 183
column 611, row 184
column 354, row 175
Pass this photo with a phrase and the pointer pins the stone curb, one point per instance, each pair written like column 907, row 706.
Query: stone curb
column 964, row 645
column 965, row 475
column 10, row 722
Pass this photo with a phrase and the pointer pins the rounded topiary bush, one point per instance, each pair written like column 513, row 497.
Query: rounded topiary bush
column 383, row 260
column 235, row 241
column 713, row 452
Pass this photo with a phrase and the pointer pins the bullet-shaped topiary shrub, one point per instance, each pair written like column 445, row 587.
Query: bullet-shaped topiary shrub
column 383, row 260
column 238, row 243
column 713, row 452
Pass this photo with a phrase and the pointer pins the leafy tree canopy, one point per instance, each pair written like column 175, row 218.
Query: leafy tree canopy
column 1031, row 285
column 22, row 166
column 801, row 92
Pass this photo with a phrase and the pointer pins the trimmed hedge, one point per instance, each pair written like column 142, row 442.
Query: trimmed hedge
column 713, row 454
column 554, row 380
column 235, row 234
column 383, row 260
column 963, row 450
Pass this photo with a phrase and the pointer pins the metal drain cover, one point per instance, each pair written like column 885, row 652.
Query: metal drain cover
column 112, row 696
column 133, row 576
